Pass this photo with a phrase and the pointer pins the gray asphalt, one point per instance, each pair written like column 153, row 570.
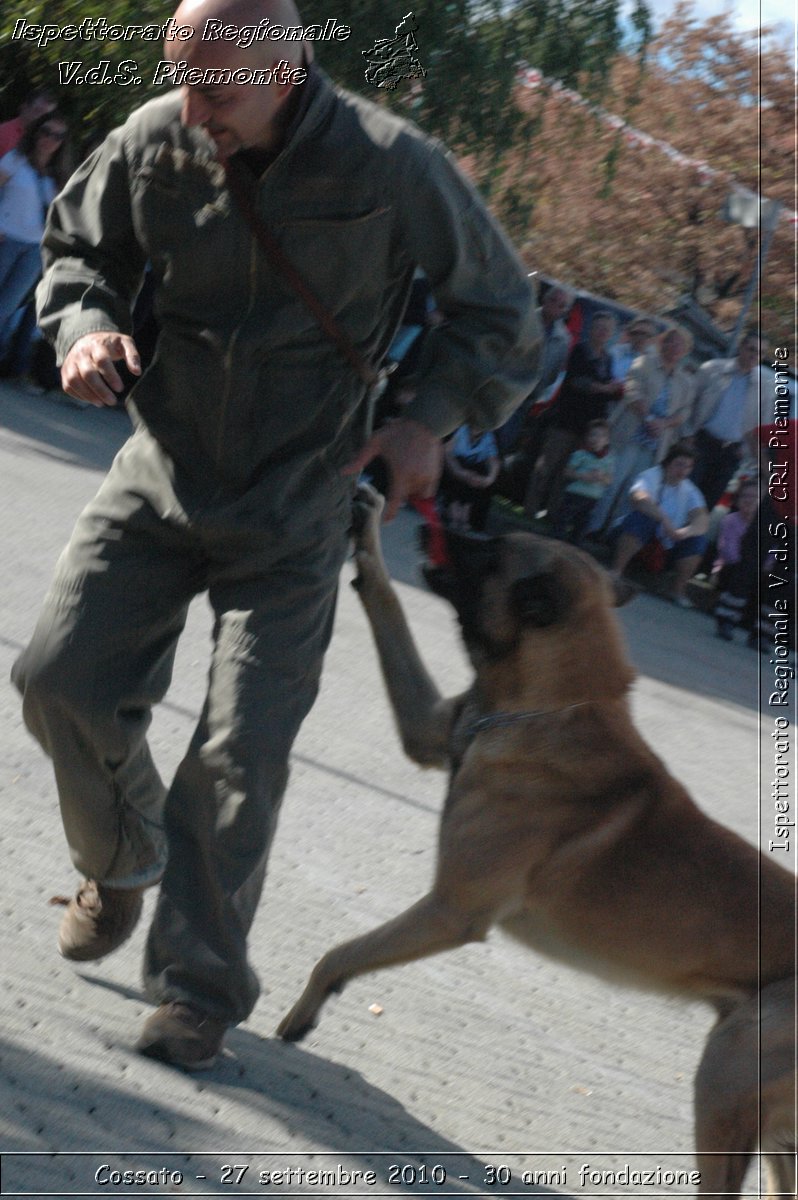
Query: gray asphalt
column 487, row 1059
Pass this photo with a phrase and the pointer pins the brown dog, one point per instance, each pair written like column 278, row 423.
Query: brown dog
column 566, row 830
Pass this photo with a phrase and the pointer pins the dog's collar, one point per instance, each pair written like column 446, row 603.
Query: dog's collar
column 500, row 720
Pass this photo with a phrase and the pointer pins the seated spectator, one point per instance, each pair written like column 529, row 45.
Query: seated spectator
column 584, row 396
column 656, row 403
column 470, row 468
column 737, row 565
column 668, row 513
column 588, row 472
column 725, row 417
column 635, row 339
column 29, row 180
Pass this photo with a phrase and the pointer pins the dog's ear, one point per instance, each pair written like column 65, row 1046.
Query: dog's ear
column 538, row 600
column 623, row 590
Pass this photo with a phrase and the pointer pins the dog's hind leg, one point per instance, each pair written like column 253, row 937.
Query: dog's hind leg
column 427, row 927
column 726, row 1107
column 781, row 1172
column 723, row 1174
column 745, row 1095
column 424, row 719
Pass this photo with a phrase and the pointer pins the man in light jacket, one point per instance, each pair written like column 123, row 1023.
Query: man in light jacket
column 647, row 420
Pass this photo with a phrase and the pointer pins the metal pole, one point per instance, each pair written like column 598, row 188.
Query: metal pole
column 768, row 228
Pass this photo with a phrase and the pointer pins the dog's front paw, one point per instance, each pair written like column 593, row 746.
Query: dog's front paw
column 293, row 1028
column 367, row 507
column 304, row 1016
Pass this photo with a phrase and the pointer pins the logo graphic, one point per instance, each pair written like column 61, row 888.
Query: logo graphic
column 392, row 59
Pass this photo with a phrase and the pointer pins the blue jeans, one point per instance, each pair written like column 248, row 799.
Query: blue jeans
column 645, row 528
column 20, row 267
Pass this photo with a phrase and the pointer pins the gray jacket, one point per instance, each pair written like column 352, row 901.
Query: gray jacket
column 249, row 403
column 644, row 383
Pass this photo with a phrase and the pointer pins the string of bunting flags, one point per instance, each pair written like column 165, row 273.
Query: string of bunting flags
column 532, row 79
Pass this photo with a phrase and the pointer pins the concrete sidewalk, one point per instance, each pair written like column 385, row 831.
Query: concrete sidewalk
column 482, row 1064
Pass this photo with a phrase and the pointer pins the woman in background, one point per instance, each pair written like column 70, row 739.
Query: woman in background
column 30, row 177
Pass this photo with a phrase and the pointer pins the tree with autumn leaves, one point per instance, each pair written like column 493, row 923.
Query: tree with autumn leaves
column 592, row 202
column 587, row 200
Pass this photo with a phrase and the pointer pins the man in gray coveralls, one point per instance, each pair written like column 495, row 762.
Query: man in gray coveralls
column 250, row 426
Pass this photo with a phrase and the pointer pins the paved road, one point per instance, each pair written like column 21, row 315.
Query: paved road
column 485, row 1059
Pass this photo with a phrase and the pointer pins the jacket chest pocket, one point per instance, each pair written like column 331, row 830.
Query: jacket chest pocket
column 345, row 261
column 179, row 211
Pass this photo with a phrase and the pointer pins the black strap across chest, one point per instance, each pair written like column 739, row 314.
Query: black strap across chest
column 242, row 188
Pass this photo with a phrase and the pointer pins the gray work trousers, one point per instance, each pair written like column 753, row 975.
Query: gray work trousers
column 102, row 655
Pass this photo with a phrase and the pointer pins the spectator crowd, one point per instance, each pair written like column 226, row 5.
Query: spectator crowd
column 627, row 449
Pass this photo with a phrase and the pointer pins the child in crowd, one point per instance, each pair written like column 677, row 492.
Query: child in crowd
column 471, row 466
column 588, row 473
column 737, row 564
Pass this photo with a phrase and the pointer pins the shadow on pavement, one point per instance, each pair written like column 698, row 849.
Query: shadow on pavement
column 73, row 1110
column 336, row 772
column 331, row 1103
column 317, row 1101
column 53, row 427
column 677, row 648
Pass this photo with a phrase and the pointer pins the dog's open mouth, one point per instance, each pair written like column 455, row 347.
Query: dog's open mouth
column 472, row 559
column 441, row 580
column 462, row 594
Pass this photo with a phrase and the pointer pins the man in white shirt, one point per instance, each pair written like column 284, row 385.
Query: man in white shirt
column 725, row 416
column 668, row 507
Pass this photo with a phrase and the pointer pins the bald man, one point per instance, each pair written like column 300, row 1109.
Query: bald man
column 250, row 428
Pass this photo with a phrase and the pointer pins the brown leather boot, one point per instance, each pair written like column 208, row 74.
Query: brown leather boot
column 97, row 920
